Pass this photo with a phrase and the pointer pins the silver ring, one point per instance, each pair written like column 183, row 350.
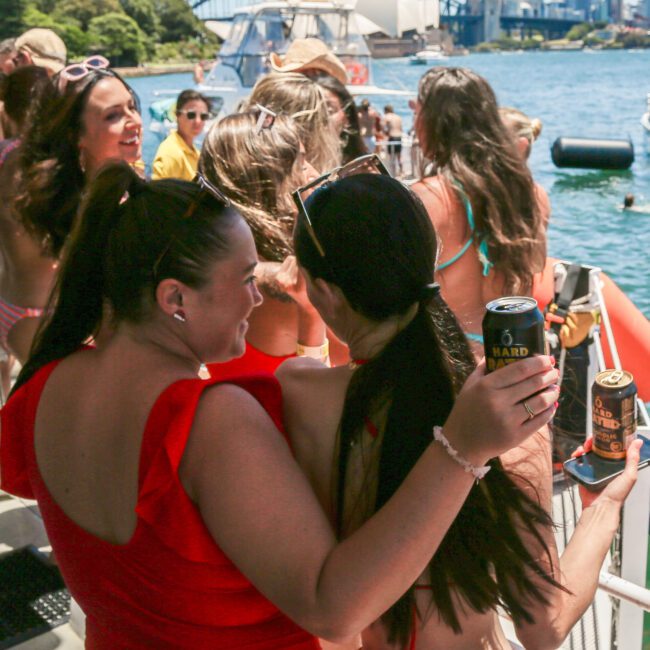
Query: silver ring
column 530, row 411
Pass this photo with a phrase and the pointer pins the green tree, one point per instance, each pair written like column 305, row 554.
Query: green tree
column 35, row 18
column 82, row 12
column 46, row 6
column 593, row 41
column 76, row 41
column 177, row 21
column 12, row 23
column 118, row 37
column 578, row 32
column 144, row 13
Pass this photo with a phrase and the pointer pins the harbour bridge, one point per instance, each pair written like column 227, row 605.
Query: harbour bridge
column 470, row 21
column 476, row 21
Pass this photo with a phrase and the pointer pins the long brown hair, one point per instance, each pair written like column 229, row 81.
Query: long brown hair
column 300, row 98
column 461, row 132
column 256, row 169
column 50, row 179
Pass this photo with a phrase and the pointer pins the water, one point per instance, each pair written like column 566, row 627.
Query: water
column 579, row 94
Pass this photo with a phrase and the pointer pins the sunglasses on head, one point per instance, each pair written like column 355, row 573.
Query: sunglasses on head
column 192, row 115
column 265, row 119
column 369, row 164
column 76, row 71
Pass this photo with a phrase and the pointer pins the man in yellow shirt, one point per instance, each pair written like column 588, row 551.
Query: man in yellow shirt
column 177, row 157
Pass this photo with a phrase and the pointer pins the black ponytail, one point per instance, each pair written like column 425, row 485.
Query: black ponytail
column 76, row 303
column 129, row 235
column 379, row 250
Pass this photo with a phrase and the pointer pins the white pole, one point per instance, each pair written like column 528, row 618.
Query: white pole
column 607, row 326
column 624, row 590
column 634, row 555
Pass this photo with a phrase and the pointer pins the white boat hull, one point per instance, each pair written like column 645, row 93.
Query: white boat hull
column 428, row 57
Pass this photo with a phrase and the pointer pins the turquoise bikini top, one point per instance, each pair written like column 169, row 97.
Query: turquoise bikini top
column 482, row 249
column 482, row 246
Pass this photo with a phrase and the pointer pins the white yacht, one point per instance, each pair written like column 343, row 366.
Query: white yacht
column 260, row 29
column 430, row 55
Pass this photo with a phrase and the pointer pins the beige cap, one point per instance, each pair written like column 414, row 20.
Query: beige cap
column 309, row 54
column 45, row 48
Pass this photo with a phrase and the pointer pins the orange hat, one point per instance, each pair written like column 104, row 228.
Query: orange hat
column 309, row 54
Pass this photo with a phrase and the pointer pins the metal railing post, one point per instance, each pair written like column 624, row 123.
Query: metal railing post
column 634, row 556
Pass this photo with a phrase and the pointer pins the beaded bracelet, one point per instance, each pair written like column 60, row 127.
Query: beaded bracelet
column 477, row 472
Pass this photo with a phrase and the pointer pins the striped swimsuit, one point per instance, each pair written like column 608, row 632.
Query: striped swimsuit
column 11, row 314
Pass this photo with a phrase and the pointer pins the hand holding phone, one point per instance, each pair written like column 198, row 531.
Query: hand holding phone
column 610, row 479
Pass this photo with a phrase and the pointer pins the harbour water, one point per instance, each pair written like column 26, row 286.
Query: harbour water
column 600, row 94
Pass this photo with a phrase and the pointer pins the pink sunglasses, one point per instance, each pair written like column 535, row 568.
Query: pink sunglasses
column 76, row 71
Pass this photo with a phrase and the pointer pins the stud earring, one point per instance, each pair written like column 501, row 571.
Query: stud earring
column 179, row 314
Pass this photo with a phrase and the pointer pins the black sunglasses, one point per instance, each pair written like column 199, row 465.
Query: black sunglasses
column 369, row 164
column 191, row 115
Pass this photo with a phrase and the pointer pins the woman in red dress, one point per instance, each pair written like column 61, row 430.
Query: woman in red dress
column 175, row 508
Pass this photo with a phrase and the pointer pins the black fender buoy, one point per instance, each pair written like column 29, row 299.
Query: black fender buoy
column 592, row 153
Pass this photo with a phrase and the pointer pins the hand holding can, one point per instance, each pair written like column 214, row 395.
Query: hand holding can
column 513, row 329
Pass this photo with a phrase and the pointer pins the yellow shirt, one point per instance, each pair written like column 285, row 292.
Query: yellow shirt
column 175, row 159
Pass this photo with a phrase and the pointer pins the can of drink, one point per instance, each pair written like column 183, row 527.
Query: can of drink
column 614, row 413
column 513, row 329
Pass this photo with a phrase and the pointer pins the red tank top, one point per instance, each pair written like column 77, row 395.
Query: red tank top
column 253, row 361
column 169, row 587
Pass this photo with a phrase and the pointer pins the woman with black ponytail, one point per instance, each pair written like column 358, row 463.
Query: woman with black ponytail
column 178, row 516
column 368, row 250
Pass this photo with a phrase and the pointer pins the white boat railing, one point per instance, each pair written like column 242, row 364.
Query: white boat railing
column 634, row 557
column 624, row 590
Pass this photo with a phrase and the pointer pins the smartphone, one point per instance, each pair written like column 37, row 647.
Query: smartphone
column 595, row 472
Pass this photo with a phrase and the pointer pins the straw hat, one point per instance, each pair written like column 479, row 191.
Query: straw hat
column 309, row 54
column 45, row 48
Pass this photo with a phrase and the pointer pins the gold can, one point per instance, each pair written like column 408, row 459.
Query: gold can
column 614, row 413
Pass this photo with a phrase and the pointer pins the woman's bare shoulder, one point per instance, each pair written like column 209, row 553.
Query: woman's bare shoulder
column 438, row 198
column 430, row 187
column 308, row 384
column 312, row 397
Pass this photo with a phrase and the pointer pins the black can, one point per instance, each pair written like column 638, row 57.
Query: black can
column 614, row 413
column 513, row 329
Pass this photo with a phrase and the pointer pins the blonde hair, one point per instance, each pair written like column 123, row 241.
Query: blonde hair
column 520, row 125
column 256, row 169
column 303, row 100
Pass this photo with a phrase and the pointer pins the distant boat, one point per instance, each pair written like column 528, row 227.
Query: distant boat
column 428, row 16
column 259, row 29
column 428, row 56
